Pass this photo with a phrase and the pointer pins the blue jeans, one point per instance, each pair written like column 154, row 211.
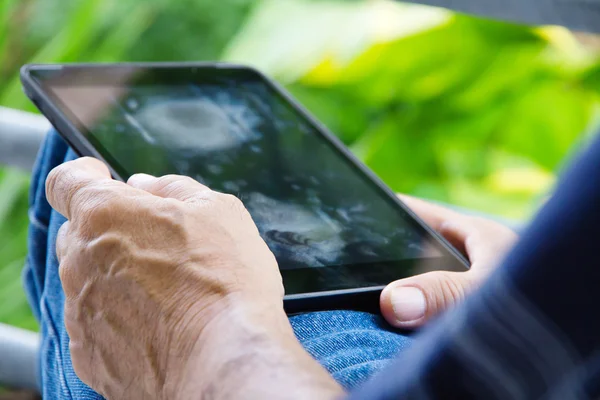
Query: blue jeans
column 350, row 345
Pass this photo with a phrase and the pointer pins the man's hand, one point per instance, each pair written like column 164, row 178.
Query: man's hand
column 171, row 293
column 409, row 303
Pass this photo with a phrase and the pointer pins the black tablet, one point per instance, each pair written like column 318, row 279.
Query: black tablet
column 338, row 233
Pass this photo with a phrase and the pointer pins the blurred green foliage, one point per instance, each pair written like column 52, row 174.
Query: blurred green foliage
column 13, row 233
column 468, row 111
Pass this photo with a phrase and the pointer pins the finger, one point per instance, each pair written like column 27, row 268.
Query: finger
column 409, row 303
column 453, row 226
column 62, row 238
column 433, row 215
column 66, row 183
column 487, row 241
column 469, row 235
column 458, row 231
column 176, row 187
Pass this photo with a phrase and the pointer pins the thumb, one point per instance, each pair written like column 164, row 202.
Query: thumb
column 409, row 303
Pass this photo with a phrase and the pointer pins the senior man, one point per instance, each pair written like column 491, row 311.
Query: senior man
column 148, row 269
column 166, row 290
column 162, row 288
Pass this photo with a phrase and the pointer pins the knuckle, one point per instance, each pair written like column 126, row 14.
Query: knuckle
column 66, row 273
column 490, row 228
column 63, row 272
column 179, row 179
column 480, row 220
column 63, row 230
column 171, row 218
column 170, row 210
column 103, row 246
column 72, row 320
column 106, row 254
column 166, row 180
column 484, row 223
column 180, row 187
column 80, row 358
column 231, row 200
column 234, row 204
column 62, row 239
column 172, row 182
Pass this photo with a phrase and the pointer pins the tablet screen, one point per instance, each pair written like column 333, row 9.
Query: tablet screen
column 328, row 223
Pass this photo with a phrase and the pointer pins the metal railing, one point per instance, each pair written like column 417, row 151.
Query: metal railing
column 21, row 134
column 19, row 350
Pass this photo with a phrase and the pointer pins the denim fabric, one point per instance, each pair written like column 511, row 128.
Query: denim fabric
column 351, row 345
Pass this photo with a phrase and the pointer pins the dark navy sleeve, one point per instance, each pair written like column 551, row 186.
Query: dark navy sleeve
column 533, row 330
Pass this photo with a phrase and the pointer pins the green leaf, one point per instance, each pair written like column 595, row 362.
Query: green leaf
column 591, row 78
column 124, row 36
column 277, row 39
column 545, row 122
column 76, row 36
column 12, row 186
column 7, row 9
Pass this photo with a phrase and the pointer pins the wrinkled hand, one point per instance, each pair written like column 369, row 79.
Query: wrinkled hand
column 150, row 269
column 409, row 303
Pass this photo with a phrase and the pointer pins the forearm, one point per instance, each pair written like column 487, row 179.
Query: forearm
column 254, row 354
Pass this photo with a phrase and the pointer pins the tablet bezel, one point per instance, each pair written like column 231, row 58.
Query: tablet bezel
column 78, row 138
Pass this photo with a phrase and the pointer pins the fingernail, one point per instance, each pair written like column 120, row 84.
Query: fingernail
column 408, row 303
column 139, row 178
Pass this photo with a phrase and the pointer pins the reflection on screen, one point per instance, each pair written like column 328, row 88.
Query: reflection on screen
column 311, row 206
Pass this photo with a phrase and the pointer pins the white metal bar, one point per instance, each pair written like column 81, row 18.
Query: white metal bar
column 18, row 358
column 21, row 134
